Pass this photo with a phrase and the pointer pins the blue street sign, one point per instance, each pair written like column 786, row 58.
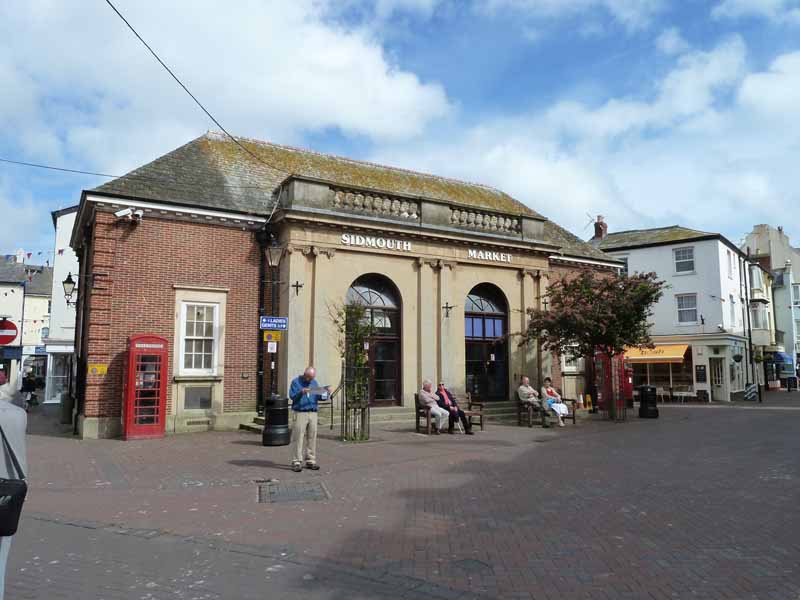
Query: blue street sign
column 274, row 323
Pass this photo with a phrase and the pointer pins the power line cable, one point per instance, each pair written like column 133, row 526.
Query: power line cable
column 166, row 183
column 191, row 95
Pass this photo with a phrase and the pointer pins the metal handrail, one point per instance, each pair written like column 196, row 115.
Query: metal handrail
column 333, row 395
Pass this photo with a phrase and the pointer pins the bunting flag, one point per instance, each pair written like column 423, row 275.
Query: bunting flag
column 38, row 254
column 60, row 251
column 29, row 254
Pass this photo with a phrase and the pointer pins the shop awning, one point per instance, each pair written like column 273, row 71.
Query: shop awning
column 662, row 353
column 782, row 357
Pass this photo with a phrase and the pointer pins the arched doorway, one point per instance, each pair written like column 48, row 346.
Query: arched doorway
column 382, row 304
column 485, row 330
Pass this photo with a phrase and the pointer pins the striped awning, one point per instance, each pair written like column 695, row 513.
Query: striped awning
column 662, row 353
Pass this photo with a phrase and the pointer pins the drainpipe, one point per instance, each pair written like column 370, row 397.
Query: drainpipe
column 745, row 316
column 749, row 326
column 263, row 239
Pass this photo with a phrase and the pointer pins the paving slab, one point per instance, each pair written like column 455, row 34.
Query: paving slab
column 696, row 504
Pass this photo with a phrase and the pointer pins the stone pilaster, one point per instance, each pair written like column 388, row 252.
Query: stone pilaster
column 295, row 356
column 450, row 328
column 427, row 330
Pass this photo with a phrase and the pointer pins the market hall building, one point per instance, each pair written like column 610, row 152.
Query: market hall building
column 179, row 249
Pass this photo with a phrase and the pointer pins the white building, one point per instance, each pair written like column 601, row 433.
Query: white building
column 60, row 341
column 24, row 300
column 770, row 247
column 700, row 325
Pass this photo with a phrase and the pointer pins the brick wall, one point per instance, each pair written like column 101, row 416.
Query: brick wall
column 135, row 268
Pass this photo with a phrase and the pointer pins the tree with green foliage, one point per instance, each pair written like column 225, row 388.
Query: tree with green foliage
column 595, row 312
column 354, row 329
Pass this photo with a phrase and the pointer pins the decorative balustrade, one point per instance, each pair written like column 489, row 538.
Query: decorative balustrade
column 484, row 221
column 374, row 205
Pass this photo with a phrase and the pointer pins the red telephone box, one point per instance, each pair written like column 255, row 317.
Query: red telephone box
column 145, row 395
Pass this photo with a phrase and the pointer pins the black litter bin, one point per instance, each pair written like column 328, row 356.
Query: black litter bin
column 648, row 409
column 276, row 422
column 791, row 383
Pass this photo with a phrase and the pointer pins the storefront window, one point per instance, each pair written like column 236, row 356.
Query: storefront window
column 659, row 375
column 58, row 377
column 639, row 375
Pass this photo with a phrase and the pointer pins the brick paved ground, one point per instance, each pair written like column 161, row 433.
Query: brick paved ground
column 702, row 503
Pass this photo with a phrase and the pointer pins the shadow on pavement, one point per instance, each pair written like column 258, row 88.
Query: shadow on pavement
column 703, row 515
column 252, row 462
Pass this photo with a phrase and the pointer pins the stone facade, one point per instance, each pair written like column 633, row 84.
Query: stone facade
column 142, row 276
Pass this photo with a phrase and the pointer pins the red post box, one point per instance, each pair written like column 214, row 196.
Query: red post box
column 145, row 390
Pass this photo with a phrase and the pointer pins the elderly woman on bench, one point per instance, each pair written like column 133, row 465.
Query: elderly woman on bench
column 551, row 400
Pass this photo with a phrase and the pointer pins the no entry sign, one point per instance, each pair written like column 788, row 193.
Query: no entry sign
column 8, row 332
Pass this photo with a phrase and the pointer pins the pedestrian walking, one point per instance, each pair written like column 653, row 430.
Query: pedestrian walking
column 14, row 421
column 305, row 394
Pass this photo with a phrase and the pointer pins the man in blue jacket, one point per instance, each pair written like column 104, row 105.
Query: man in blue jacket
column 304, row 404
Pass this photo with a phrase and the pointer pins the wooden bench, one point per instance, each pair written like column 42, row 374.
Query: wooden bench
column 474, row 414
column 422, row 412
column 529, row 408
column 474, row 411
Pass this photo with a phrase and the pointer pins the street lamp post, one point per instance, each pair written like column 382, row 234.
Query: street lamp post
column 69, row 289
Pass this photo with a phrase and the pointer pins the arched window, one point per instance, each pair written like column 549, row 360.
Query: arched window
column 485, row 313
column 379, row 296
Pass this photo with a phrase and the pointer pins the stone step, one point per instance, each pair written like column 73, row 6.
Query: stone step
column 388, row 414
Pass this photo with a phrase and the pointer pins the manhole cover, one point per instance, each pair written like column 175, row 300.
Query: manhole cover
column 291, row 491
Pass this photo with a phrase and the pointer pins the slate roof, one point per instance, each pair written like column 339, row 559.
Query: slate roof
column 41, row 278
column 651, row 237
column 213, row 172
column 571, row 245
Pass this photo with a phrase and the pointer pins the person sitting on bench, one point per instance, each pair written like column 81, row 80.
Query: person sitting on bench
column 447, row 401
column 551, row 400
column 526, row 394
column 431, row 400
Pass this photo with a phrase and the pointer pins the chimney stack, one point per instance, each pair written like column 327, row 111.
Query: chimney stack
column 600, row 228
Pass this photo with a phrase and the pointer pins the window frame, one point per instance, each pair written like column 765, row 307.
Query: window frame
column 758, row 312
column 730, row 264
column 675, row 261
column 732, row 300
column 759, row 280
column 678, row 308
column 796, row 294
column 182, row 370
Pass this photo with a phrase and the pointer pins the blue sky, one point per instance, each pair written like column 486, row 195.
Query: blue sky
column 646, row 111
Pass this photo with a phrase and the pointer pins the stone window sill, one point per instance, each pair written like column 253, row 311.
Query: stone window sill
column 196, row 378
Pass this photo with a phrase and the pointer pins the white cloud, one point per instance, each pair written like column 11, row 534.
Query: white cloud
column 272, row 70
column 776, row 92
column 710, row 147
column 671, row 42
column 773, row 10
column 633, row 14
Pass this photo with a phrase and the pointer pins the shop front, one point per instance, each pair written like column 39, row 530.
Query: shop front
column 668, row 367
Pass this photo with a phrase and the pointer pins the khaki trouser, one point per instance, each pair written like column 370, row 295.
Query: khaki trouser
column 304, row 438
